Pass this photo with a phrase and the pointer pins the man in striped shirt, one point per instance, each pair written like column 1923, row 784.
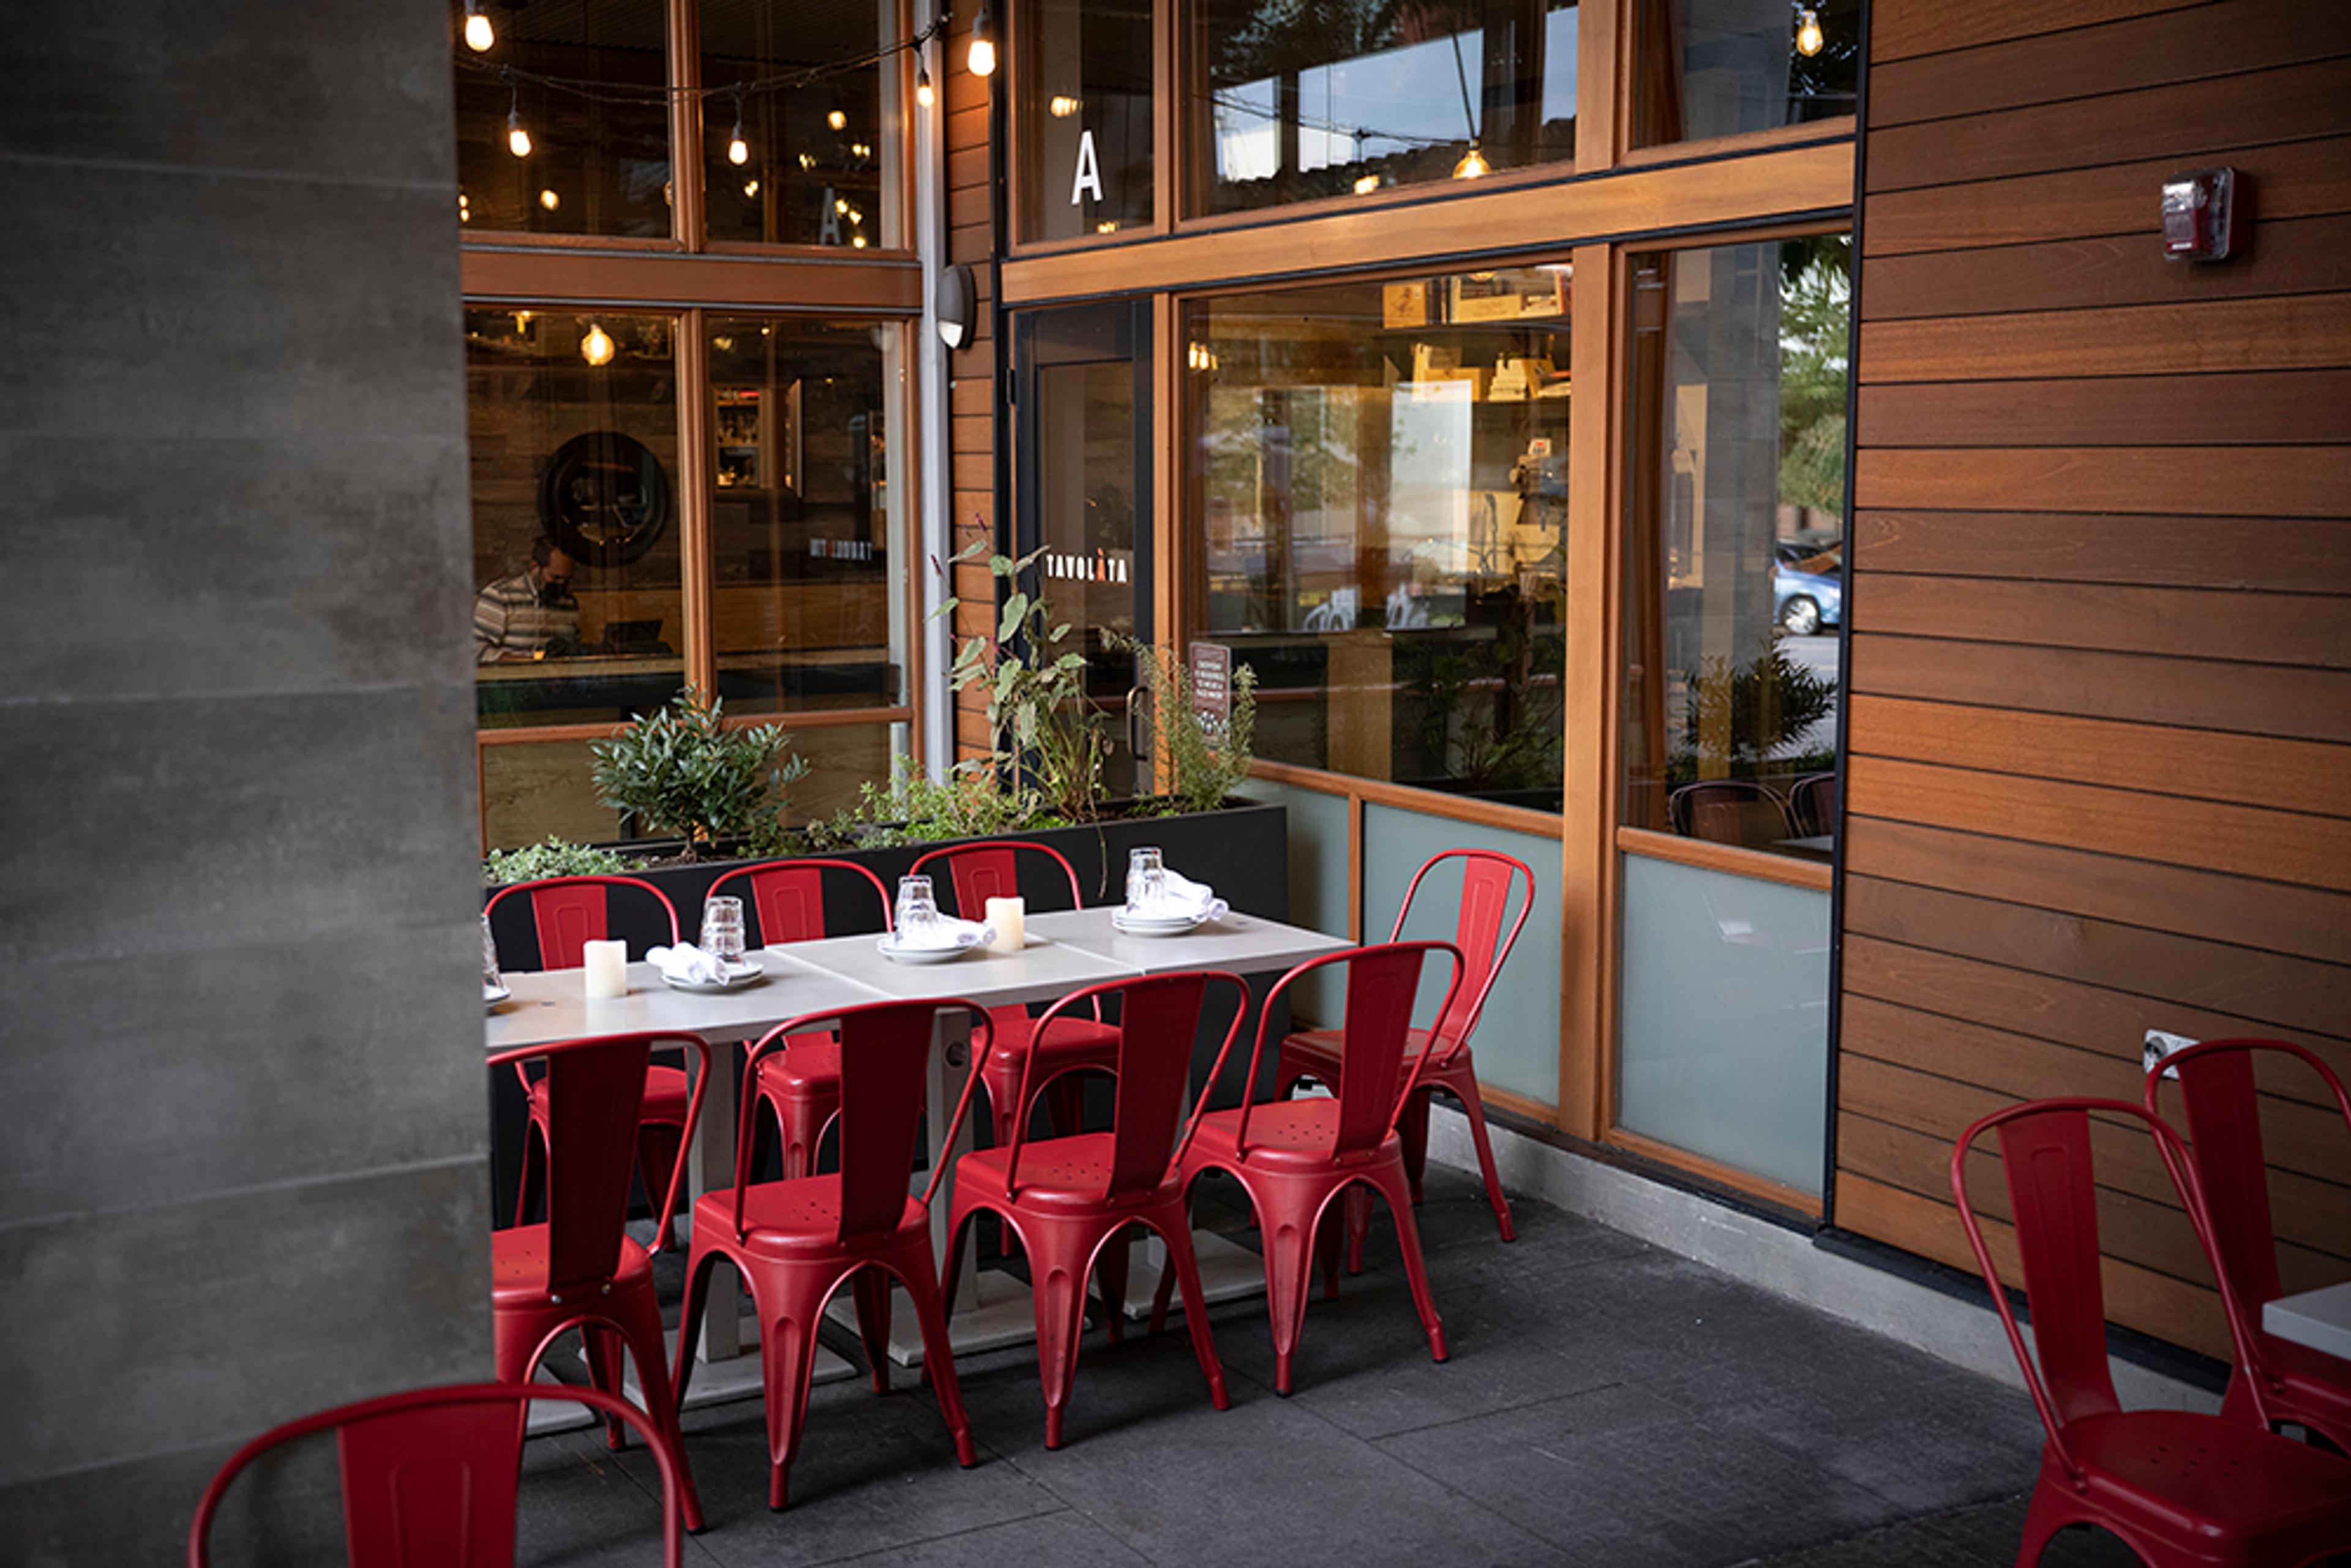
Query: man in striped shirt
column 530, row 615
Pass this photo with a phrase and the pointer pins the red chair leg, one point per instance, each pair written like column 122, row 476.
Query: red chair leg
column 1184, row 1267
column 2053, row 1510
column 1396, row 1190
column 1065, row 1104
column 871, row 1288
column 1057, row 1271
column 915, row 1271
column 1463, row 1084
column 1328, row 1233
column 534, row 1171
column 1110, row 1273
column 803, row 1120
column 603, row 1346
column 1359, row 1225
column 638, row 1317
column 787, row 1358
column 1412, row 1129
column 657, row 1144
column 1288, row 1234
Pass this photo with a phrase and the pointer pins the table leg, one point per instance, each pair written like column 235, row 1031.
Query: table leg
column 709, row 1166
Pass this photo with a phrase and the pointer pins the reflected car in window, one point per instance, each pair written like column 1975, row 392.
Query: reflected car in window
column 1809, row 596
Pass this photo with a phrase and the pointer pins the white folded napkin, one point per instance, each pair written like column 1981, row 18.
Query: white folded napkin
column 688, row 964
column 1182, row 899
column 944, row 931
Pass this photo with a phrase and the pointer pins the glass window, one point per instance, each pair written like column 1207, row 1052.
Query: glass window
column 1718, row 68
column 530, row 790
column 1380, row 498
column 1293, row 103
column 815, row 154
column 1735, row 553
column 573, row 426
column 1084, row 121
column 582, row 165
column 805, row 495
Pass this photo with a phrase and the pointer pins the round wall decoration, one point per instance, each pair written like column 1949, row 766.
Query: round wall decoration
column 604, row 498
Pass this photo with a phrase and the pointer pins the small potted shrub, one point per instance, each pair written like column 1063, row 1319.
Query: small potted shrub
column 679, row 771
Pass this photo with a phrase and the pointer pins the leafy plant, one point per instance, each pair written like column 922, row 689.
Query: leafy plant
column 556, row 857
column 912, row 809
column 680, row 770
column 1203, row 763
column 1046, row 738
column 1741, row 715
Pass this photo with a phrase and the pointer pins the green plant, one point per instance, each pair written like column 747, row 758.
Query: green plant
column 912, row 809
column 554, row 858
column 680, row 770
column 1046, row 737
column 1202, row 763
column 1741, row 715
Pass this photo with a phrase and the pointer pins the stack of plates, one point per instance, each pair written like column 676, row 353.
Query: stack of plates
column 888, row 948
column 737, row 976
column 1155, row 925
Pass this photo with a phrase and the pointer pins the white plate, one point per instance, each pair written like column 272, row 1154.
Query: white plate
column 1177, row 925
column 737, row 977
column 897, row 955
column 493, row 995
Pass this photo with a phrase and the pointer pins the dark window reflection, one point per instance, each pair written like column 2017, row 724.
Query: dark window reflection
column 1085, row 120
column 593, row 102
column 1719, row 67
column 813, row 154
column 1293, row 103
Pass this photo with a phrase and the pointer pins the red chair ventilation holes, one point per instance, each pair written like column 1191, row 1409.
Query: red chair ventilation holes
column 2298, row 1384
column 1071, row 1200
column 2177, row 1488
column 430, row 1477
column 797, row 1241
column 1296, row 1158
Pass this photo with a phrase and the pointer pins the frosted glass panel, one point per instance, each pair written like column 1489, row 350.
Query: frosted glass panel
column 1517, row 1042
column 1723, row 1032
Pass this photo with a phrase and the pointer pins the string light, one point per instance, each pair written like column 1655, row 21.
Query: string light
column 857, row 242
column 1062, row 107
column 1808, row 31
column 739, row 151
column 923, row 94
column 750, row 187
column 479, row 33
column 837, row 120
column 549, row 200
column 597, row 348
column 981, row 61
column 1473, row 164
column 517, row 139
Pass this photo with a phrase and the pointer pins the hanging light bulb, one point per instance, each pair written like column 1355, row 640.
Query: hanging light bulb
column 981, row 61
column 549, row 199
column 923, row 94
column 517, row 139
column 837, row 120
column 1808, row 31
column 1062, row 107
column 857, row 242
column 750, row 187
column 739, row 151
column 479, row 33
column 1473, row 164
column 596, row 348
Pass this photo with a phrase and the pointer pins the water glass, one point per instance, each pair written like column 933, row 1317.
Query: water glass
column 1147, row 880
column 489, row 955
column 722, row 929
column 918, row 910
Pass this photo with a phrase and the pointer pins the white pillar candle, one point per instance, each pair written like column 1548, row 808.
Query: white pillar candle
column 606, row 967
column 1008, row 918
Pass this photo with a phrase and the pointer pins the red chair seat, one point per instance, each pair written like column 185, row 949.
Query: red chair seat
column 809, row 1065
column 1289, row 1133
column 1061, row 1174
column 788, row 1219
column 518, row 1264
column 2178, row 1470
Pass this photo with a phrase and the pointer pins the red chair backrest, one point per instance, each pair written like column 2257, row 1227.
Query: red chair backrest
column 2045, row 1152
column 787, row 897
column 594, row 1087
column 570, row 911
column 430, row 1477
column 1486, row 883
column 2224, row 1129
column 884, row 1049
column 992, row 870
column 1158, row 1021
column 1381, row 981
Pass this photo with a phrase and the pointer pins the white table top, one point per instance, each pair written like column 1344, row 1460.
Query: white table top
column 1244, row 943
column 1047, row 969
column 2320, row 1318
column 551, row 1005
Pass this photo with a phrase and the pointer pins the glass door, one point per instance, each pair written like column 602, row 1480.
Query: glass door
column 1081, row 490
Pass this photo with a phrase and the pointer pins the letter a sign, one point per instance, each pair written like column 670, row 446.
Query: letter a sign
column 1089, row 170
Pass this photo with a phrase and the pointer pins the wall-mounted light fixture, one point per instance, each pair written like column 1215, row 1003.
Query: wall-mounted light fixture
column 958, row 303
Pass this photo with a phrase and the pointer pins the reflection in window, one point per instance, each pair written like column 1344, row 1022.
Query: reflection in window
column 592, row 164
column 1085, row 119
column 813, row 155
column 1291, row 103
column 1735, row 555
column 1719, row 67
column 805, row 605
column 1381, row 477
column 573, row 426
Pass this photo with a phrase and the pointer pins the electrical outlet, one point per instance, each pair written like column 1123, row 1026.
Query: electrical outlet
column 2161, row 1043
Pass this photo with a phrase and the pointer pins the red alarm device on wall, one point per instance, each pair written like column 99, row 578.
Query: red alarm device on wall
column 2199, row 215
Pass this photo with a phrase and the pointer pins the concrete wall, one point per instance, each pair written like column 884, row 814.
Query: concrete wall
column 242, row 1170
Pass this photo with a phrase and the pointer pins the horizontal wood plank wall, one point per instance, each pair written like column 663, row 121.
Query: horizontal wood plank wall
column 971, row 371
column 2100, row 733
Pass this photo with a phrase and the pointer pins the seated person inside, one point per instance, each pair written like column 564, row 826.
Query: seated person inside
column 530, row 615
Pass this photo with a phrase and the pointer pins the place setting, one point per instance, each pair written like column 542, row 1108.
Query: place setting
column 921, row 933
column 718, row 963
column 1163, row 902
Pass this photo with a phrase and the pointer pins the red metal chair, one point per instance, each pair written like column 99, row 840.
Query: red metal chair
column 1439, row 1057
column 1073, row 1199
column 1813, row 805
column 1728, row 811
column 979, row 872
column 799, row 1085
column 2224, row 1122
column 1295, row 1157
column 580, row 1269
column 566, row 914
column 2177, row 1488
column 430, row 1477
column 795, row 1242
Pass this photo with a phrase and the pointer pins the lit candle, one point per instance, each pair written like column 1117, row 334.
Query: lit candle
column 1007, row 918
column 606, row 967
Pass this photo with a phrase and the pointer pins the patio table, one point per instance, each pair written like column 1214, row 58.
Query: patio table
column 2319, row 1319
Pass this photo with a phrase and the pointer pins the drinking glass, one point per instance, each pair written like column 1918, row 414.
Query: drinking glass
column 1147, row 880
column 918, row 910
column 489, row 955
column 722, row 929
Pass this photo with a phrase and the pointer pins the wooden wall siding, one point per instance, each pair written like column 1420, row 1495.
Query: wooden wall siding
column 971, row 399
column 2100, row 734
